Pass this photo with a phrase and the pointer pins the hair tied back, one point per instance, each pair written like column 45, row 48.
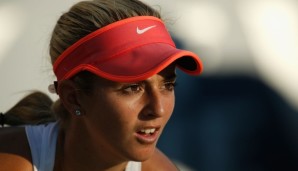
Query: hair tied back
column 2, row 119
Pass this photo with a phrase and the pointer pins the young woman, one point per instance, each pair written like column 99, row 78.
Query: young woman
column 115, row 65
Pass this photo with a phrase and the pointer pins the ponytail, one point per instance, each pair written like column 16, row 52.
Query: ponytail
column 35, row 108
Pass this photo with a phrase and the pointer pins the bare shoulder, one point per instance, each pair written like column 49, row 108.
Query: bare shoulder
column 159, row 162
column 15, row 152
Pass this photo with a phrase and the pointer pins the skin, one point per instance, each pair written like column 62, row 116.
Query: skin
column 112, row 117
column 109, row 129
column 15, row 152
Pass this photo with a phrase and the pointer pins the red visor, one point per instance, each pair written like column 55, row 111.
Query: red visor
column 129, row 50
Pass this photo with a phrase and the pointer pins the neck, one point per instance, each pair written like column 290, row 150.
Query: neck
column 75, row 152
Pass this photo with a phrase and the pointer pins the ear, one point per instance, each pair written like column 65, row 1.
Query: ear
column 69, row 95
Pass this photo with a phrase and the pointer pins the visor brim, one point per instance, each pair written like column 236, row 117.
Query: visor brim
column 143, row 62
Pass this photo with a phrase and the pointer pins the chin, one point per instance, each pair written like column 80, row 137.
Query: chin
column 142, row 154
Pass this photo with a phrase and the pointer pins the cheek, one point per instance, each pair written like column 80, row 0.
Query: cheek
column 111, row 121
column 170, row 106
column 115, row 113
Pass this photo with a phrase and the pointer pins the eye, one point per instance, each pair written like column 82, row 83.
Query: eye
column 170, row 86
column 132, row 88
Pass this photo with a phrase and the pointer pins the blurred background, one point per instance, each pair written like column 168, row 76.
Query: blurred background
column 240, row 115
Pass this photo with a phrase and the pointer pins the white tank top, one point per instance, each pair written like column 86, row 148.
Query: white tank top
column 42, row 141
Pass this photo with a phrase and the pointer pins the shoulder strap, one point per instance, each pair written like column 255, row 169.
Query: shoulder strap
column 133, row 166
column 42, row 141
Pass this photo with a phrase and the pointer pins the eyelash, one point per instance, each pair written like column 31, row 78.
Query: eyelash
column 138, row 87
column 171, row 84
column 132, row 88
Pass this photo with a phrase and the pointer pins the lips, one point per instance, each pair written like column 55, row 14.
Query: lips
column 147, row 135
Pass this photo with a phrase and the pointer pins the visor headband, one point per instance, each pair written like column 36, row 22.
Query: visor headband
column 110, row 42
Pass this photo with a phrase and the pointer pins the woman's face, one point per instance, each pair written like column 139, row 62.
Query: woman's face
column 125, row 120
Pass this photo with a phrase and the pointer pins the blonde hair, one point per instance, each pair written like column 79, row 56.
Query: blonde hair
column 33, row 109
column 82, row 19
column 88, row 16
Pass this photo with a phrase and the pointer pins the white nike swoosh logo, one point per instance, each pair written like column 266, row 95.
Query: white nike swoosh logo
column 141, row 31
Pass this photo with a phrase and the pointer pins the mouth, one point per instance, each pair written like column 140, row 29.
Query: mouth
column 147, row 132
column 147, row 135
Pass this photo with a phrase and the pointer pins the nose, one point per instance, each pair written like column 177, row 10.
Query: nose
column 156, row 105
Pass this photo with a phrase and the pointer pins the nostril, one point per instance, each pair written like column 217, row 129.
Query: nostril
column 148, row 116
